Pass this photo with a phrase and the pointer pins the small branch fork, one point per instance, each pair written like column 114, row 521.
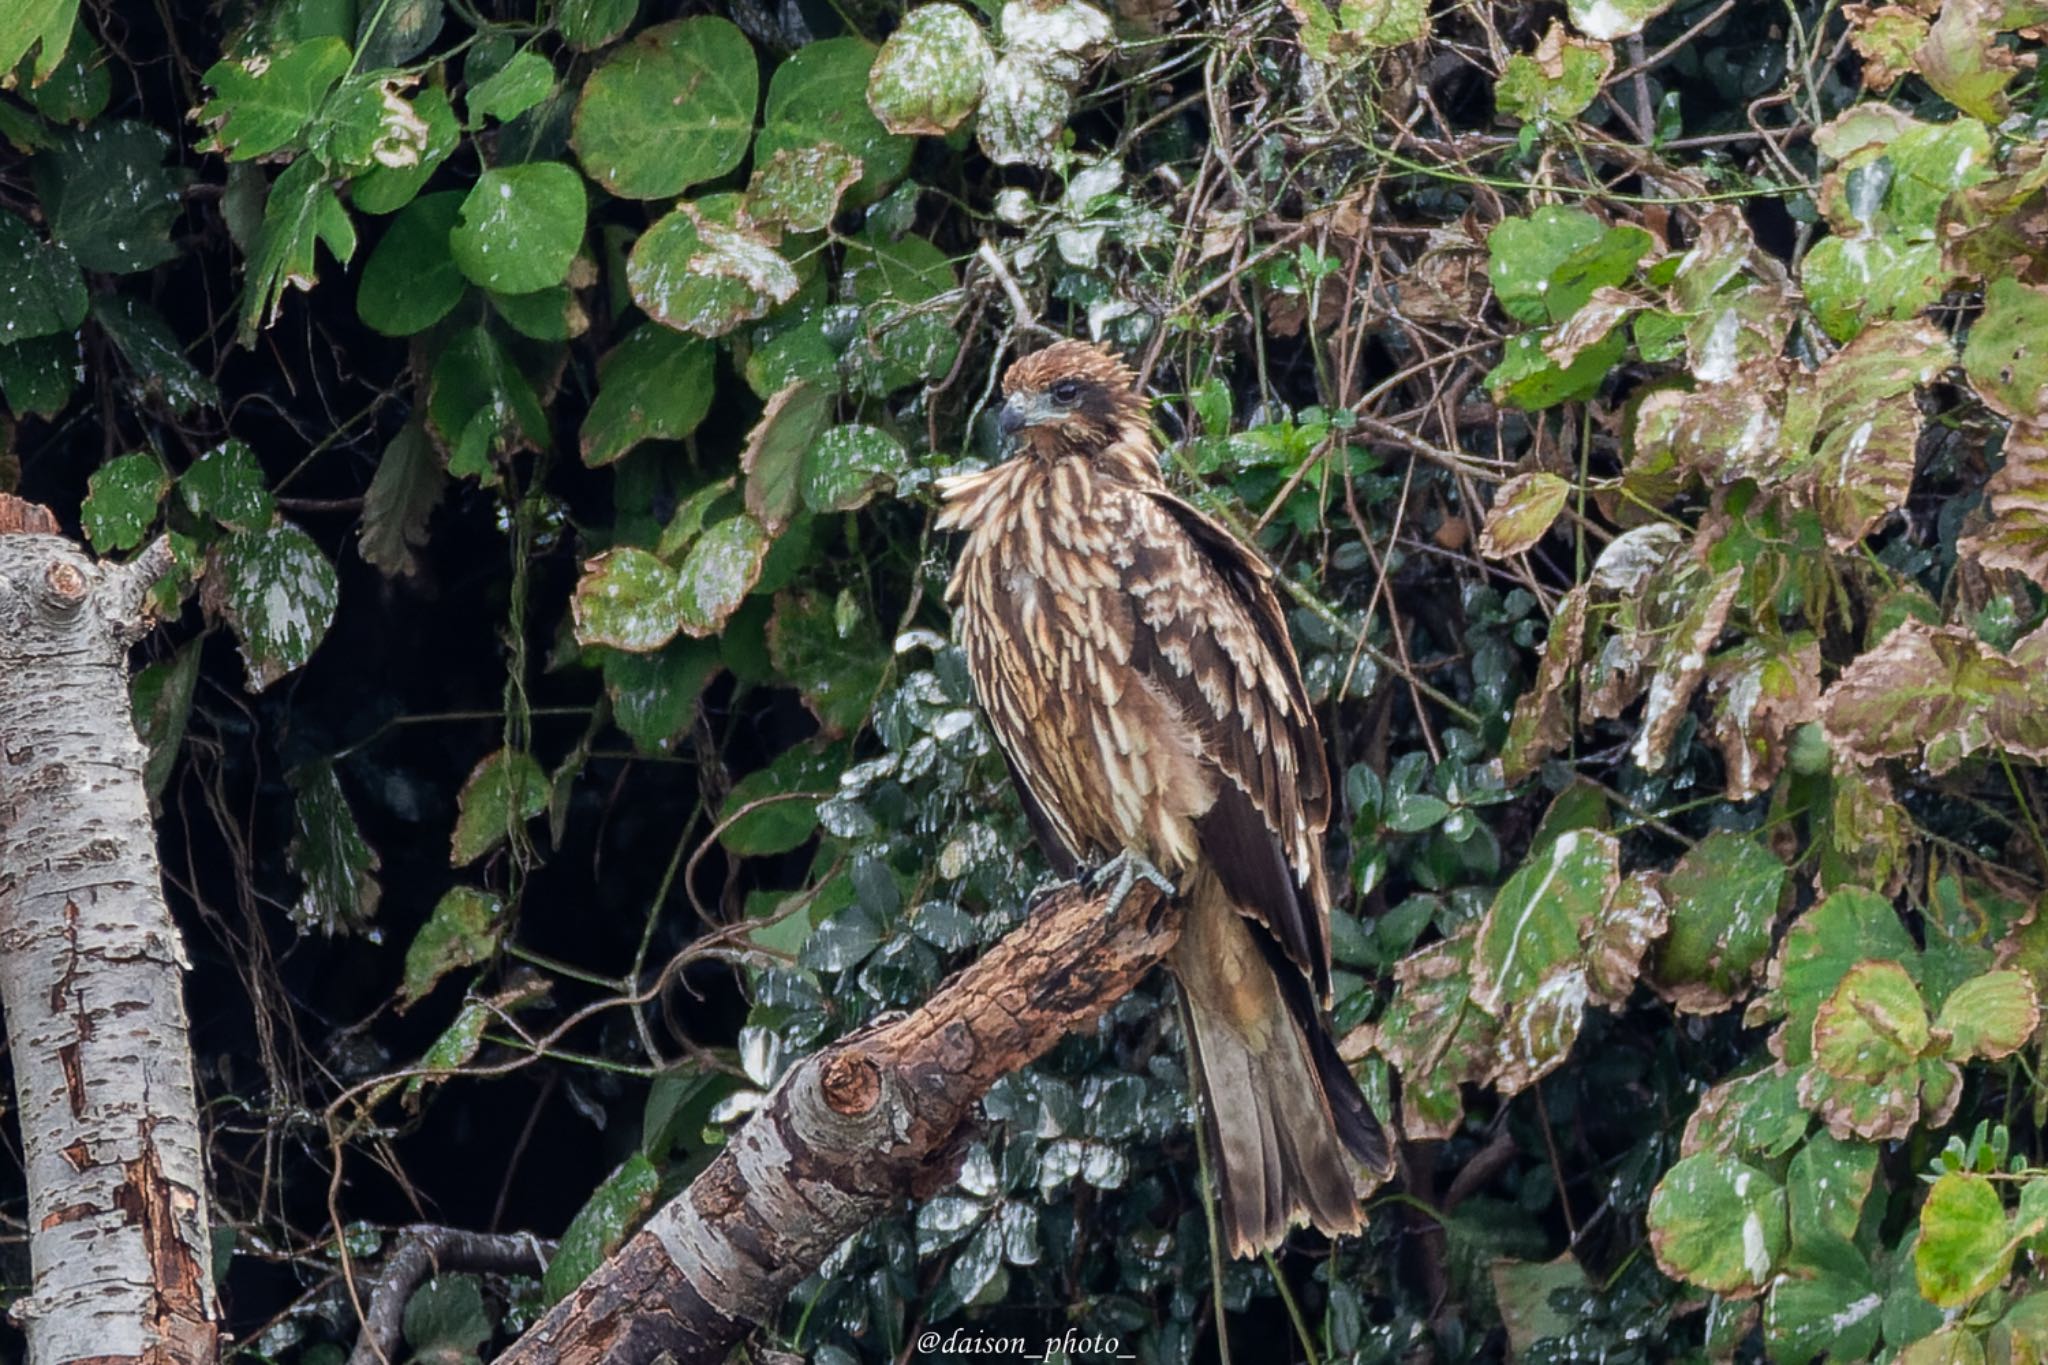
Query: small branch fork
column 424, row 1251
column 848, row 1135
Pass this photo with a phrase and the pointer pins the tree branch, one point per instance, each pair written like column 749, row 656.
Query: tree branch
column 849, row 1134
column 427, row 1250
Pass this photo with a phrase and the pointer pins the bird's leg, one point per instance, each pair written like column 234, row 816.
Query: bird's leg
column 1123, row 872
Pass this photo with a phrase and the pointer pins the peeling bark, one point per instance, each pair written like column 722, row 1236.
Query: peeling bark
column 847, row 1136
column 90, row 967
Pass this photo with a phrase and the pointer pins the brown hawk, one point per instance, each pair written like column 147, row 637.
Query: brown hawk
column 1134, row 664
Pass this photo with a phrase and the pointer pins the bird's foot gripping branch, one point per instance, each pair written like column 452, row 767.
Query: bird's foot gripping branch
column 851, row 1132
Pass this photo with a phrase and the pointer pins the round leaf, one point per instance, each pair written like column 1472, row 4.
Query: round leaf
column 627, row 599
column 120, row 504
column 700, row 276
column 820, row 95
column 1964, row 1245
column 928, row 76
column 848, row 465
column 520, row 227
column 672, row 108
column 1989, row 1016
column 1719, row 1224
column 411, row 280
column 1873, row 1026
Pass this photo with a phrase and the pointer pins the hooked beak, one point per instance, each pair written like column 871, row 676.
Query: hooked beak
column 1023, row 411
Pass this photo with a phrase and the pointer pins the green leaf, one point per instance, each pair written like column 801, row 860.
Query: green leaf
column 1852, row 281
column 1849, row 927
column 819, row 94
column 1724, row 896
column 393, row 32
column 800, row 188
column 704, row 277
column 1756, row 1114
column 1523, row 509
column 775, row 454
column 121, row 501
column 1359, row 27
column 411, row 280
column 1873, row 1026
column 445, row 1321
column 1557, row 81
column 302, row 213
column 587, row 25
column 108, row 196
column 1990, row 1016
column 836, row 659
column 1533, row 925
column 480, row 405
column 848, row 465
column 39, row 26
column 520, row 227
column 43, row 294
column 337, row 869
column 654, row 695
column 161, row 699
column 158, row 369
column 1529, row 379
column 928, row 77
column 1963, row 60
column 262, row 101
column 629, row 600
column 1611, row 19
column 368, row 122
column 387, row 188
column 1719, row 1224
column 602, row 1225
column 654, row 385
column 37, row 375
column 502, row 792
column 2006, row 356
column 1964, row 1248
column 226, row 485
column 671, row 109
column 462, row 931
column 551, row 314
column 905, row 332
column 278, row 593
column 784, row 798
column 720, row 570
column 1545, row 266
column 511, row 90
column 399, row 500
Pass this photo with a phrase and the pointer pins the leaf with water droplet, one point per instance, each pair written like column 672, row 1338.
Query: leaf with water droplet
column 520, row 226
column 672, row 108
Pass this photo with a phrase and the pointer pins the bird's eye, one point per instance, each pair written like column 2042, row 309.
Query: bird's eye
column 1066, row 392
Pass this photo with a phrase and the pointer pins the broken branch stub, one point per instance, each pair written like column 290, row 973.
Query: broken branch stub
column 90, row 967
column 849, row 1134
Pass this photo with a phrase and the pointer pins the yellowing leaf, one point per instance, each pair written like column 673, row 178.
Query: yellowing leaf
column 1522, row 513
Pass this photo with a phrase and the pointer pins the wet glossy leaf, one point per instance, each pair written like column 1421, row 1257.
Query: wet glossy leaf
column 512, row 89
column 848, row 465
column 520, row 226
column 120, row 505
column 2007, row 353
column 654, row 385
column 226, row 485
column 629, row 600
column 1719, row 1224
column 1555, row 82
column 719, row 571
column 1940, row 687
column 615, row 1208
column 820, row 95
column 2017, row 494
column 108, row 196
column 671, row 109
column 587, row 25
column 775, row 809
column 445, row 1320
column 503, row 792
column 462, row 931
column 337, row 868
column 158, row 369
column 929, row 74
column 800, row 188
column 654, row 695
column 264, row 100
column 1724, row 896
column 42, row 293
column 278, row 591
column 1541, row 724
column 705, row 277
column 37, row 376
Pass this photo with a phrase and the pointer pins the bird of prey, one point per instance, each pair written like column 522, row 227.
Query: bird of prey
column 1135, row 667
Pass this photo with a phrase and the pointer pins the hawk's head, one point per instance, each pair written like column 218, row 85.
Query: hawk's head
column 1073, row 399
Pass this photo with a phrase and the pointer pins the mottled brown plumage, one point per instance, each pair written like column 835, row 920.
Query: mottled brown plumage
column 1135, row 666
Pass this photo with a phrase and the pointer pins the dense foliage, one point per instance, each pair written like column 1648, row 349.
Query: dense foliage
column 555, row 730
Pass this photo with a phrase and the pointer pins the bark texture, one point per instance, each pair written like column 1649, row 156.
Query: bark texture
column 90, row 966
column 847, row 1135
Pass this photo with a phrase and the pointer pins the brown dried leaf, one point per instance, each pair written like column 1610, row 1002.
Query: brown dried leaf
column 2017, row 538
column 1760, row 690
column 1522, row 513
column 1681, row 663
column 1542, row 722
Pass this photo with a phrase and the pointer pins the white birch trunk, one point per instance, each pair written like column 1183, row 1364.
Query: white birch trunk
column 90, row 967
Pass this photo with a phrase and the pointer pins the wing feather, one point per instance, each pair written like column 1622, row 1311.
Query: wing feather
column 1208, row 633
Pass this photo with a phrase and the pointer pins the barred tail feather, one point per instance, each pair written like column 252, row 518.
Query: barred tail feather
column 1284, row 1153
